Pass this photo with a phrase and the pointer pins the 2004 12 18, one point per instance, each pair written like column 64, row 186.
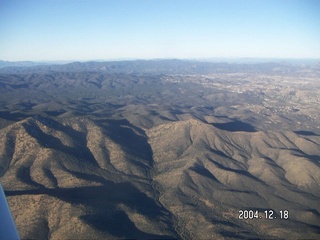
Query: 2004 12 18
column 266, row 214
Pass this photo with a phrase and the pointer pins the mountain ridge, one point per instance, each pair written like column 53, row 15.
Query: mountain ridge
column 236, row 165
column 257, row 183
column 162, row 66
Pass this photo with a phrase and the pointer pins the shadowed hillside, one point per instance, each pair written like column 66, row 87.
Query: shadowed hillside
column 101, row 180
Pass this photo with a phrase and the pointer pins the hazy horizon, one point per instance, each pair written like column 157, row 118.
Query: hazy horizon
column 112, row 30
column 239, row 60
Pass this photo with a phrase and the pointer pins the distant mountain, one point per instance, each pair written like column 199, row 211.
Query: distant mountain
column 162, row 66
column 4, row 64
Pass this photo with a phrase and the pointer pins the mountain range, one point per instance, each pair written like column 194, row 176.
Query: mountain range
column 164, row 149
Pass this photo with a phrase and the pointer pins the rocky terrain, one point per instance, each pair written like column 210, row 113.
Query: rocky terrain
column 162, row 149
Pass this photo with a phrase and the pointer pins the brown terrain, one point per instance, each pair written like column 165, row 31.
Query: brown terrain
column 158, row 150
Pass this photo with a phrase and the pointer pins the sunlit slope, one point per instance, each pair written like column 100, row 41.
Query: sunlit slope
column 75, row 179
column 80, row 178
column 206, row 175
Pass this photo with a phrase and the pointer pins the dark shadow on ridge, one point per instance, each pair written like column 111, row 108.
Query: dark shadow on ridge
column 101, row 203
column 55, row 113
column 204, row 172
column 50, row 141
column 306, row 133
column 121, row 132
column 119, row 225
column 13, row 116
column 235, row 126
column 238, row 171
column 102, row 197
column 23, row 174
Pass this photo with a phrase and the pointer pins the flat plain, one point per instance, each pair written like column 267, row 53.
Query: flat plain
column 162, row 149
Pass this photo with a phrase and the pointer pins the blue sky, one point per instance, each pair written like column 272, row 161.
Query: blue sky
column 145, row 29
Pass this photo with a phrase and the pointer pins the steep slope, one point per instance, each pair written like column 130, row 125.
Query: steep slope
column 75, row 179
column 78, row 178
column 206, row 175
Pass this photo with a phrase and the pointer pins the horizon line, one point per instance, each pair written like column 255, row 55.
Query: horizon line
column 168, row 58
